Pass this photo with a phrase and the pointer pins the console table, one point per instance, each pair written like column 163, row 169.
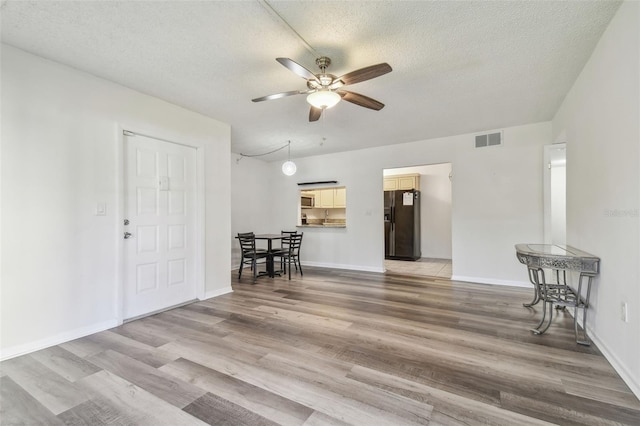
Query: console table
column 559, row 259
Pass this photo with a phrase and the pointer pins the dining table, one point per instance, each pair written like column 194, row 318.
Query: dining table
column 270, row 238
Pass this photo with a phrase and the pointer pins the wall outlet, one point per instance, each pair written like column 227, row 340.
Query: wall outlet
column 624, row 312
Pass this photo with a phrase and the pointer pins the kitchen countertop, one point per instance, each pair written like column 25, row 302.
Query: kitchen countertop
column 319, row 225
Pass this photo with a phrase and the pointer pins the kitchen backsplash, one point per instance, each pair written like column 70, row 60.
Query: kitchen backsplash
column 321, row 214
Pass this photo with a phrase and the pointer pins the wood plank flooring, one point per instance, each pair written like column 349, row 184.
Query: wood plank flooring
column 330, row 348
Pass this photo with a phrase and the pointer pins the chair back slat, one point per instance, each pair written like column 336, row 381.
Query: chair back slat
column 247, row 241
column 295, row 241
column 286, row 235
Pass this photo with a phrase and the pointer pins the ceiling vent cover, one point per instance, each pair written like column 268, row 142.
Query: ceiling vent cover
column 490, row 139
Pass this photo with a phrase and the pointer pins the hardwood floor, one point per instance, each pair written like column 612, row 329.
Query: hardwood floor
column 332, row 348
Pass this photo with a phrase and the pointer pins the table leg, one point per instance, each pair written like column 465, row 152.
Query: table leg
column 534, row 277
column 541, row 294
column 269, row 259
column 585, row 341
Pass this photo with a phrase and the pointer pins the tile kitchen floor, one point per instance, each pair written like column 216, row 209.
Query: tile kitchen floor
column 424, row 266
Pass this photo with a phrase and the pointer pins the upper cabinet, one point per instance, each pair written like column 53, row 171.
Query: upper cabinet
column 328, row 198
column 402, row 182
column 340, row 197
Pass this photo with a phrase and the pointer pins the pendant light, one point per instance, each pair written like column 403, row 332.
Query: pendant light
column 289, row 167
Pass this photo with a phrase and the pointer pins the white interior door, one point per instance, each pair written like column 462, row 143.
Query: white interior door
column 160, row 202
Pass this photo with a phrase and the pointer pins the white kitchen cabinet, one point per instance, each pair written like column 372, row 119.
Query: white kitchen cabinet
column 390, row 184
column 340, row 198
column 326, row 198
column 402, row 182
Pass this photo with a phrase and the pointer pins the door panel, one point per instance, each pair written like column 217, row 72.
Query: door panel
column 160, row 192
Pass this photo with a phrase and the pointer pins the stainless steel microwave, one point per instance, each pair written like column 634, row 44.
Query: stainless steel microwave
column 307, row 201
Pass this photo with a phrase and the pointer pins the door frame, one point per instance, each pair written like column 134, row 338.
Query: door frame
column 411, row 167
column 170, row 137
column 546, row 183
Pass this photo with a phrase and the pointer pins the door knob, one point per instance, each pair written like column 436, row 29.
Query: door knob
column 127, row 235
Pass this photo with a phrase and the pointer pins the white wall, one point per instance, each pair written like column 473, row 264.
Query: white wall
column 251, row 200
column 435, row 208
column 497, row 202
column 600, row 118
column 59, row 158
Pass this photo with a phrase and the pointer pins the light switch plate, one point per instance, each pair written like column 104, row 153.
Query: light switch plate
column 101, row 209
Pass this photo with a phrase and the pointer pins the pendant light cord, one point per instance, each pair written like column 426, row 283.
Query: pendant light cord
column 288, row 144
column 265, row 4
column 270, row 152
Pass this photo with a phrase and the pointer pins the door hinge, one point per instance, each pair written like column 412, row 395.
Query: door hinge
column 128, row 133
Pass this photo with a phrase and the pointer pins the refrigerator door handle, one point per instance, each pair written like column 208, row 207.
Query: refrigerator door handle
column 393, row 217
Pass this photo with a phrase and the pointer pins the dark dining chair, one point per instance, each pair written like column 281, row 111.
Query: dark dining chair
column 292, row 253
column 284, row 246
column 250, row 255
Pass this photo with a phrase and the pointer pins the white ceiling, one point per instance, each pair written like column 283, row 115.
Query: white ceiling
column 458, row 67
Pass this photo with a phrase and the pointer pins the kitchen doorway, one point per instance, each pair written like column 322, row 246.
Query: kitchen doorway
column 433, row 184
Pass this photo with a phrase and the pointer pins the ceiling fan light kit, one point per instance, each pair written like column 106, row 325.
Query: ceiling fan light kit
column 323, row 99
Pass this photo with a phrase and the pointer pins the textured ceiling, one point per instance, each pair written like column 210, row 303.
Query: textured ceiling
column 458, row 67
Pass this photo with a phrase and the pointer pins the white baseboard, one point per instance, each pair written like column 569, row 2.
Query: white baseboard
column 217, row 292
column 617, row 365
column 491, row 281
column 343, row 266
column 334, row 266
column 67, row 336
column 59, row 338
column 628, row 378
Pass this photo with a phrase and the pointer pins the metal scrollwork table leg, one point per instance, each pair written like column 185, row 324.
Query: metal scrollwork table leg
column 560, row 294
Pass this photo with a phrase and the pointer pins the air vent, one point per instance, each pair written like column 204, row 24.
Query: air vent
column 490, row 139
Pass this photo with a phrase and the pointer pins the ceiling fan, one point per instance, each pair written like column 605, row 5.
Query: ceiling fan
column 324, row 90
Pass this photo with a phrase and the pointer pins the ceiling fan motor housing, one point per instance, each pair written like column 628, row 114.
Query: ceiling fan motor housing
column 324, row 81
column 323, row 62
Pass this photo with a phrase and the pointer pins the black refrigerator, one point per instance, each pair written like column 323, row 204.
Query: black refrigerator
column 402, row 224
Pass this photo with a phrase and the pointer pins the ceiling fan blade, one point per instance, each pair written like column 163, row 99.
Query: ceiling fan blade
column 298, row 69
column 361, row 100
column 278, row 95
column 364, row 74
column 314, row 114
